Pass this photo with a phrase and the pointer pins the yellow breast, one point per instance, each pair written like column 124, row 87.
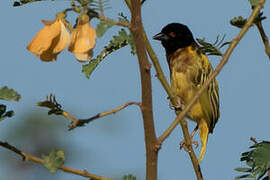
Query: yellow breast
column 181, row 74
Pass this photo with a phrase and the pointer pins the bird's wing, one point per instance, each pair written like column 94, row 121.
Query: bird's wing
column 210, row 98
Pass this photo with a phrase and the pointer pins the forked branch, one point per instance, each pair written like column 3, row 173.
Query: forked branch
column 27, row 157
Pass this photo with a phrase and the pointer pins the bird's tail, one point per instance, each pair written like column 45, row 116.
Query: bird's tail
column 204, row 131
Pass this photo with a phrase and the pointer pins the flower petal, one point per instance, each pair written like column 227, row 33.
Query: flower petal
column 84, row 57
column 83, row 39
column 64, row 39
column 43, row 39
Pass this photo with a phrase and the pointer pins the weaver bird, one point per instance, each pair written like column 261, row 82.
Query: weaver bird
column 189, row 70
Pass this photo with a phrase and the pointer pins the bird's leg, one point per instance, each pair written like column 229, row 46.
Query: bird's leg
column 183, row 143
column 179, row 104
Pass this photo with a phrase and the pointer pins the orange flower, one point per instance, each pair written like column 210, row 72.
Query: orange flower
column 83, row 39
column 51, row 40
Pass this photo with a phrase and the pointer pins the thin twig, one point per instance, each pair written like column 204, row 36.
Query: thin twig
column 253, row 140
column 34, row 159
column 81, row 122
column 264, row 38
column 222, row 63
column 119, row 23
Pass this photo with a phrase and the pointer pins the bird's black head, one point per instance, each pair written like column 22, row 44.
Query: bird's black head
column 174, row 36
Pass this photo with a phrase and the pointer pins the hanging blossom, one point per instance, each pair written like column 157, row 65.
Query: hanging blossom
column 83, row 39
column 51, row 40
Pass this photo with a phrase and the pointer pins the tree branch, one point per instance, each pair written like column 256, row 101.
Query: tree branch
column 119, row 23
column 34, row 159
column 253, row 140
column 81, row 122
column 264, row 37
column 146, row 89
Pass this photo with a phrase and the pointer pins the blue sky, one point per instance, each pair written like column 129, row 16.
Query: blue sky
column 116, row 142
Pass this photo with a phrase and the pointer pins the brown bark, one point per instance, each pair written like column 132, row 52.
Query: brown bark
column 146, row 91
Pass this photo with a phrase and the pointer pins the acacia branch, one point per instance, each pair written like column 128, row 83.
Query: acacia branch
column 264, row 37
column 146, row 89
column 34, row 159
column 81, row 122
column 222, row 63
column 119, row 23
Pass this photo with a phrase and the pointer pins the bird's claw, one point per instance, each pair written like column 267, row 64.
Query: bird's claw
column 179, row 104
column 183, row 144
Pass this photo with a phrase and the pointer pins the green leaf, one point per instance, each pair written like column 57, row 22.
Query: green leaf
column 54, row 160
column 119, row 41
column 212, row 48
column 238, row 21
column 22, row 2
column 5, row 114
column 9, row 94
column 253, row 2
column 243, row 169
column 123, row 18
column 87, row 69
column 258, row 158
column 243, row 176
column 100, row 5
column 129, row 177
column 103, row 26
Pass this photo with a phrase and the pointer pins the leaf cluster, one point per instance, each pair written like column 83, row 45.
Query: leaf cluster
column 52, row 104
column 100, row 5
column 240, row 21
column 257, row 160
column 5, row 114
column 129, row 177
column 54, row 160
column 22, row 2
column 118, row 42
column 7, row 94
column 212, row 49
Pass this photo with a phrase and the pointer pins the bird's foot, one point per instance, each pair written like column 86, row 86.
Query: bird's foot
column 179, row 104
column 184, row 145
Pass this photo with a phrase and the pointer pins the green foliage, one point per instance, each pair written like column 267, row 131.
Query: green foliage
column 122, row 18
column 100, row 5
column 5, row 114
column 119, row 41
column 52, row 104
column 54, row 160
column 257, row 160
column 22, row 2
column 238, row 21
column 129, row 177
column 9, row 94
column 212, row 49
column 103, row 26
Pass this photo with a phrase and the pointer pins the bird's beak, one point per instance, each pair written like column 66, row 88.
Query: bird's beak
column 161, row 37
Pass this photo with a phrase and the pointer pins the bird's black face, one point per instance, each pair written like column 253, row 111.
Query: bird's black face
column 174, row 36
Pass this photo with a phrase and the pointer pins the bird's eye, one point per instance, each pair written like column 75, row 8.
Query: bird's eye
column 172, row 34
